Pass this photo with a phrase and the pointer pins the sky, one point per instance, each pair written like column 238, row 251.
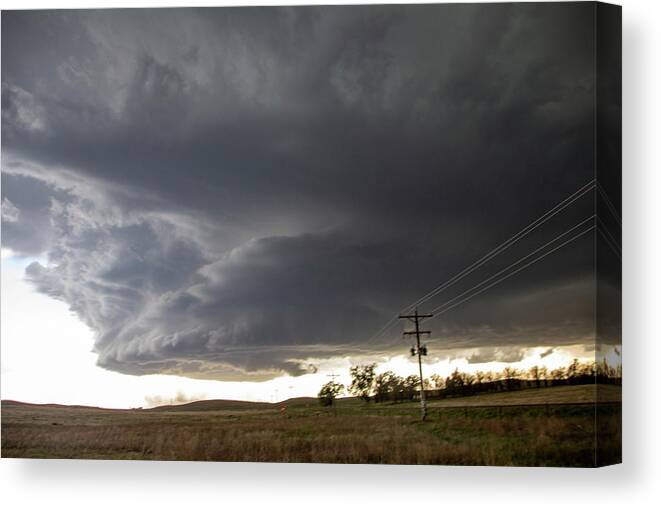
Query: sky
column 232, row 202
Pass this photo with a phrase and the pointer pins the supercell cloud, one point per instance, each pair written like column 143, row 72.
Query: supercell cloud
column 234, row 193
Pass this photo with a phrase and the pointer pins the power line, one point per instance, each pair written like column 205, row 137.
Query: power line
column 438, row 308
column 514, row 272
column 605, row 229
column 386, row 326
column 506, row 244
column 497, row 250
column 609, row 204
column 614, row 248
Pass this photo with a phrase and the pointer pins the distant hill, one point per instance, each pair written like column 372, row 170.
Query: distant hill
column 14, row 403
column 210, row 405
column 194, row 406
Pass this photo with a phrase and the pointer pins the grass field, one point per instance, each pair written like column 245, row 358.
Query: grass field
column 538, row 427
column 552, row 395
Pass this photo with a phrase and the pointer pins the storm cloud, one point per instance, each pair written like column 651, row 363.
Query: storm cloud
column 234, row 193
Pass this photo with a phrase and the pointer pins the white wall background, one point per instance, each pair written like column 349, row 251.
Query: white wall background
column 636, row 482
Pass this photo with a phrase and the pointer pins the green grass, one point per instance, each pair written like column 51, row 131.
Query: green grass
column 467, row 431
column 552, row 395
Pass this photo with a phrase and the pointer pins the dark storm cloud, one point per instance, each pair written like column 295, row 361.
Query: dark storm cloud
column 506, row 355
column 26, row 203
column 547, row 352
column 230, row 193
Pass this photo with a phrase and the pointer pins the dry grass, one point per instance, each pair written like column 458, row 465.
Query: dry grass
column 358, row 434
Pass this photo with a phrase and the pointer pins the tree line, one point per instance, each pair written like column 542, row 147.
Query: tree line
column 368, row 385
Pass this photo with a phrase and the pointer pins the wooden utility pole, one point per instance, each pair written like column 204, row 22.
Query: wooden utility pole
column 420, row 351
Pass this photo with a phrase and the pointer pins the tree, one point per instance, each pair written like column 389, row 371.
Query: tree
column 604, row 370
column 329, row 392
column 534, row 374
column 411, row 384
column 467, row 379
column 387, row 384
column 509, row 374
column 362, row 380
column 543, row 373
column 588, row 369
column 572, row 369
column 480, row 377
column 454, row 381
column 438, row 381
column 558, row 374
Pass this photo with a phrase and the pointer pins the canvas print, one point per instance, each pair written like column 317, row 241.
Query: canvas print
column 385, row 234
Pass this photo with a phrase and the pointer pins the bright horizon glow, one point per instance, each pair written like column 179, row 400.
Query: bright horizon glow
column 47, row 358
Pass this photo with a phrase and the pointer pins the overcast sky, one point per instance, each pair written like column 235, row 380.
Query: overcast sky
column 238, row 194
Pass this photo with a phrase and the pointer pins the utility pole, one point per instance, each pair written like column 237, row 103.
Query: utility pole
column 420, row 351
